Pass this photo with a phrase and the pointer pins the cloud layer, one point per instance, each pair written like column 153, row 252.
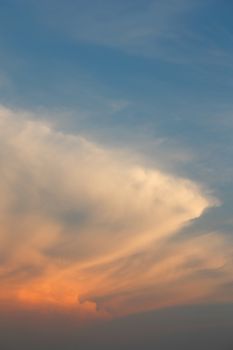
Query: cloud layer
column 84, row 227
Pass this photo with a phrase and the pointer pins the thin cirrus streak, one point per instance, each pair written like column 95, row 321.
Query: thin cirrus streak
column 86, row 229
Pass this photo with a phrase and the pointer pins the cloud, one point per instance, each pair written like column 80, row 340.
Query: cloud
column 166, row 30
column 84, row 227
column 134, row 27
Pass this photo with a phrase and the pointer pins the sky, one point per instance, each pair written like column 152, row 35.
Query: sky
column 116, row 186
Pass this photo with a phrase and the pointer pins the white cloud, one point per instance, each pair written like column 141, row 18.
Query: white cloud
column 84, row 222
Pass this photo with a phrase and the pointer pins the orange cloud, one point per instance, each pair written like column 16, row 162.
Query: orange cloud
column 84, row 228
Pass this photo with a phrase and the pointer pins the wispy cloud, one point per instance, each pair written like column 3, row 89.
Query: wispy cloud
column 84, row 227
column 135, row 27
column 156, row 29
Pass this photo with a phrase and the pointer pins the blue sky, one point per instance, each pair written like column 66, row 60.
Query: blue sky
column 119, row 83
